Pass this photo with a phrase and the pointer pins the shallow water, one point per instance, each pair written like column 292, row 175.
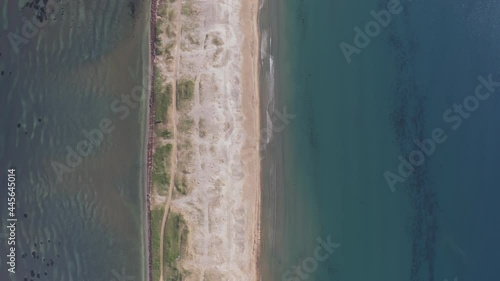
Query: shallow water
column 79, row 217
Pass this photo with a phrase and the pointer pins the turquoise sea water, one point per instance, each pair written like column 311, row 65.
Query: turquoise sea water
column 324, row 174
column 80, row 217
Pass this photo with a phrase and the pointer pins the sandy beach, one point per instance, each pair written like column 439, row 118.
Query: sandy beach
column 222, row 209
column 251, row 110
column 215, row 47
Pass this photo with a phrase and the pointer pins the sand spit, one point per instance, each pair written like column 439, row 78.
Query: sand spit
column 218, row 50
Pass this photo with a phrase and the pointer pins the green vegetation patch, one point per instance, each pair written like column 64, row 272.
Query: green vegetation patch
column 156, row 220
column 158, row 78
column 174, row 245
column 168, row 52
column 161, row 162
column 166, row 134
column 171, row 15
column 187, row 9
column 161, row 106
column 185, row 125
column 158, row 41
column 185, row 92
column 181, row 184
column 163, row 96
column 163, row 10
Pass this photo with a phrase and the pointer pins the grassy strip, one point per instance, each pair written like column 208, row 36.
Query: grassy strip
column 161, row 161
column 168, row 53
column 162, row 9
column 185, row 92
column 162, row 97
column 185, row 125
column 175, row 240
column 181, row 184
column 166, row 134
column 171, row 15
column 187, row 9
column 158, row 41
column 156, row 219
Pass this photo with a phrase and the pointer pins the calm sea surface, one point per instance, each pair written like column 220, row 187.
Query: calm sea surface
column 324, row 173
column 74, row 138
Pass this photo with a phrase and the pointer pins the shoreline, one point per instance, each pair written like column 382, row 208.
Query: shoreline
column 250, row 68
column 150, row 135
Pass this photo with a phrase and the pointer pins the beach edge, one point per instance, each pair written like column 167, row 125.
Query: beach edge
column 249, row 14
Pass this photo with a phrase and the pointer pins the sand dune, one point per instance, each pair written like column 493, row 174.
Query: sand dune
column 218, row 51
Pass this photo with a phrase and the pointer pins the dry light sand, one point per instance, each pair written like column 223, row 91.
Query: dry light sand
column 219, row 51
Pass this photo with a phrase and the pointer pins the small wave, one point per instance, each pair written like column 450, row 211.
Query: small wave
column 269, row 128
column 271, row 81
column 262, row 2
column 264, row 45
